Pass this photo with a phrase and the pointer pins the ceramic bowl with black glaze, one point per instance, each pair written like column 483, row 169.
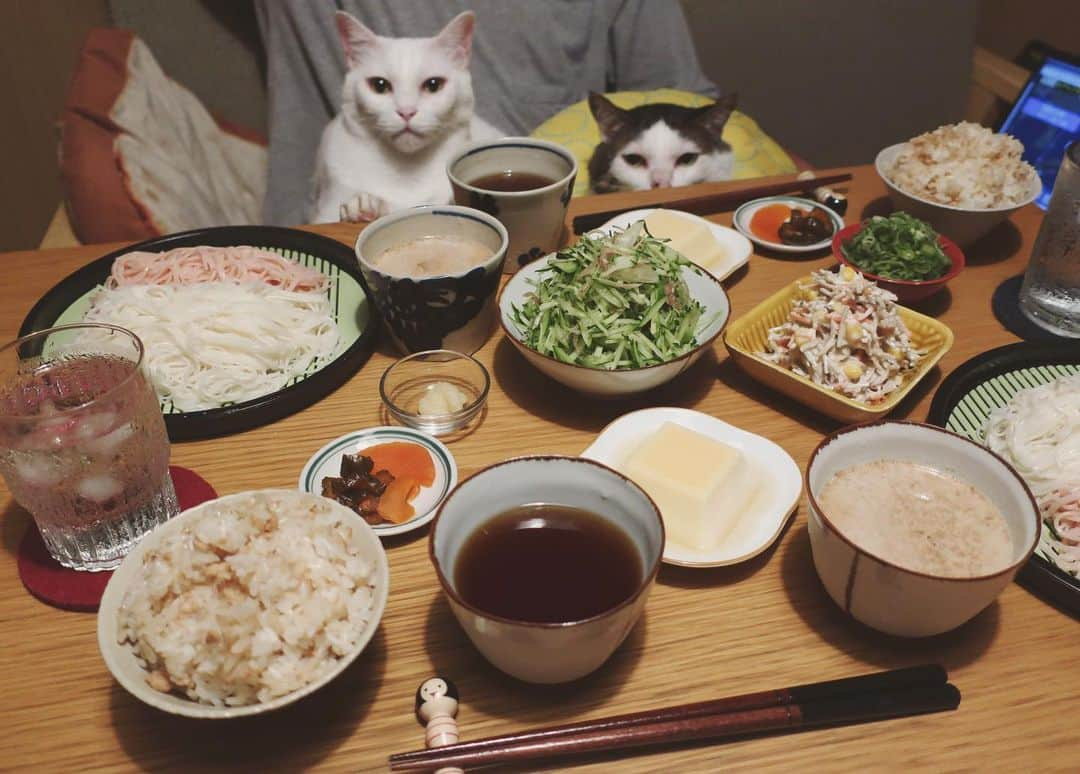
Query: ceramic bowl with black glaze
column 450, row 311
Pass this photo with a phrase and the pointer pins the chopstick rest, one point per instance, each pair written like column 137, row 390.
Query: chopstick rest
column 437, row 707
column 863, row 698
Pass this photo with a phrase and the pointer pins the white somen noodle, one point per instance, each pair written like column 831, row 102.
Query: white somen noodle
column 216, row 343
column 1038, row 431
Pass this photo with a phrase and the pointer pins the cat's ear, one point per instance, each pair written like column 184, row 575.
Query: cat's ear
column 356, row 39
column 456, row 37
column 608, row 117
column 713, row 117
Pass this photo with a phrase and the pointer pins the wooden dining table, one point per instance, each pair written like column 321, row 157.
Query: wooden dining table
column 706, row 633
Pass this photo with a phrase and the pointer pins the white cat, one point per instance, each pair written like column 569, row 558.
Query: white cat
column 407, row 107
column 659, row 145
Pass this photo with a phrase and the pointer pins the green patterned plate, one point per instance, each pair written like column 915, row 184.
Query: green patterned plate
column 990, row 380
column 68, row 301
column 327, row 462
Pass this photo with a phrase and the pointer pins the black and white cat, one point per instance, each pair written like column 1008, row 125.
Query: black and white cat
column 659, row 145
column 407, row 107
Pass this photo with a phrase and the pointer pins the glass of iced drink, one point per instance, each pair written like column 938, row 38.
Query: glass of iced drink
column 83, row 445
column 1050, row 295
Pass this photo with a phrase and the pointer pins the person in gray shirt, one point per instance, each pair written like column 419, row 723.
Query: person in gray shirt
column 530, row 59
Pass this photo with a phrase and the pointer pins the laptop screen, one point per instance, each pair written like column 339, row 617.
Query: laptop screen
column 1046, row 118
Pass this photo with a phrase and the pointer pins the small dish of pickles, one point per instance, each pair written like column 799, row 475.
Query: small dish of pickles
column 787, row 224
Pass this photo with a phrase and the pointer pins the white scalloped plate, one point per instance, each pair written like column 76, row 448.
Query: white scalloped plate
column 736, row 246
column 759, row 526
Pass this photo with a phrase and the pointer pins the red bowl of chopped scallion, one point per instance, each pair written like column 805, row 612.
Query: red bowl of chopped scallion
column 902, row 254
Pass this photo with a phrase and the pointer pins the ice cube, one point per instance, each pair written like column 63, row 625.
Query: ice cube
column 98, row 488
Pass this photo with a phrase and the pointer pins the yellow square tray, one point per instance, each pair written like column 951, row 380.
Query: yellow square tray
column 748, row 335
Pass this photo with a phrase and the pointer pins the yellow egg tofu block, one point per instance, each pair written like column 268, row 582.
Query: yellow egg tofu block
column 701, row 485
column 690, row 237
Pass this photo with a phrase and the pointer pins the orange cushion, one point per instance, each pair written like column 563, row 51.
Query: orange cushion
column 99, row 204
column 101, row 199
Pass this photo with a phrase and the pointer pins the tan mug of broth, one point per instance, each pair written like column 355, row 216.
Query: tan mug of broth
column 432, row 273
column 523, row 182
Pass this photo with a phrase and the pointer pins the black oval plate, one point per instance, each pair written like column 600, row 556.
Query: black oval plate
column 1040, row 363
column 266, row 408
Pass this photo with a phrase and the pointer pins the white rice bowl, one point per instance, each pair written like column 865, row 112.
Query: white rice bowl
column 243, row 604
column 963, row 165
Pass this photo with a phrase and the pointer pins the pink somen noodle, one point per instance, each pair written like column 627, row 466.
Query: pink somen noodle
column 190, row 265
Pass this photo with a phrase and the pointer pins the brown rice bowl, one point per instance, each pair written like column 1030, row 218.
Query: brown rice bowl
column 153, row 614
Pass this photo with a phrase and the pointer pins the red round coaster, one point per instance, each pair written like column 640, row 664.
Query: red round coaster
column 68, row 589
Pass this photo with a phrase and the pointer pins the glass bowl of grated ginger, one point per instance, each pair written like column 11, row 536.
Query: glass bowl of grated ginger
column 437, row 391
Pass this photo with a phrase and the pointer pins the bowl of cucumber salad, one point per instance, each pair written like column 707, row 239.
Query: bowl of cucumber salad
column 615, row 314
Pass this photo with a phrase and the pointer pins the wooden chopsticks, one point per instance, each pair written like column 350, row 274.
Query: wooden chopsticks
column 895, row 693
column 706, row 204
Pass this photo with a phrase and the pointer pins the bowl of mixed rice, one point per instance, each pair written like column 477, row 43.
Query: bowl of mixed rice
column 243, row 604
column 962, row 179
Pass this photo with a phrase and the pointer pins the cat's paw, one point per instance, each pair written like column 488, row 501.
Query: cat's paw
column 363, row 208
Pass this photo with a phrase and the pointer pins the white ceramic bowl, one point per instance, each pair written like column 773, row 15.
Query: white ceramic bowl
column 881, row 594
column 961, row 225
column 127, row 670
column 614, row 384
column 547, row 652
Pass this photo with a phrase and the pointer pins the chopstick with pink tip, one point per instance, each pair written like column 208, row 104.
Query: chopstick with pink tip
column 914, row 690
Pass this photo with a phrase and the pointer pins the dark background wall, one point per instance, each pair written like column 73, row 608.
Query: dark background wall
column 834, row 80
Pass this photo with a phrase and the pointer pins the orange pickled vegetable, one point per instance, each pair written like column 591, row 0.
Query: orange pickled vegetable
column 403, row 460
column 394, row 504
column 767, row 221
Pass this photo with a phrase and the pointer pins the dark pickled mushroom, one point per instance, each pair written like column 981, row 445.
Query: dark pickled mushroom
column 358, row 488
column 355, row 466
column 806, row 228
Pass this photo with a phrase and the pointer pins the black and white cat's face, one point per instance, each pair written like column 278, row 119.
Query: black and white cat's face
column 407, row 90
column 660, row 145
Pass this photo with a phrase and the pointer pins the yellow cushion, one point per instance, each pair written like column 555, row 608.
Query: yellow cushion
column 756, row 154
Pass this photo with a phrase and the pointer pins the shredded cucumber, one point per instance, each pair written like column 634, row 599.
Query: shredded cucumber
column 617, row 301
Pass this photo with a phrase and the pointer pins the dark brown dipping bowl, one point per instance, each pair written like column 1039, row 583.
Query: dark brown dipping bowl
column 547, row 652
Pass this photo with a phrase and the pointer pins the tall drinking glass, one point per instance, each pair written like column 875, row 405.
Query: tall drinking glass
column 83, row 445
column 1050, row 295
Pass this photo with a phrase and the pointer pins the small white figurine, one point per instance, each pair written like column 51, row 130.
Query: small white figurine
column 436, row 707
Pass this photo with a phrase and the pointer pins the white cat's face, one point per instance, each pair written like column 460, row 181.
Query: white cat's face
column 407, row 91
column 660, row 157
